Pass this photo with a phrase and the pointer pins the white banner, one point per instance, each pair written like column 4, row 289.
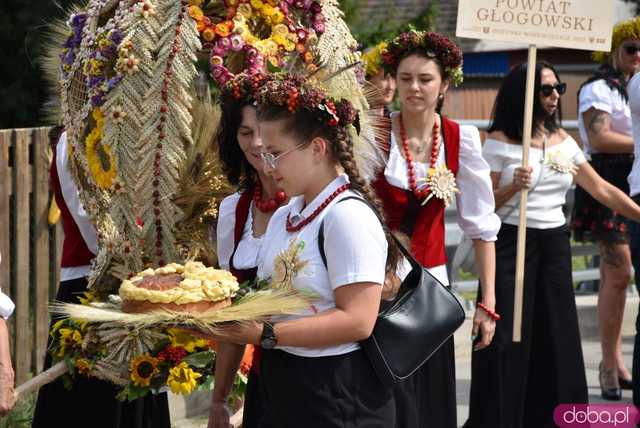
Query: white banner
column 577, row 24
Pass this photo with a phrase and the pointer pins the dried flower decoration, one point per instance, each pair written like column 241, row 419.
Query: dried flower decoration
column 433, row 45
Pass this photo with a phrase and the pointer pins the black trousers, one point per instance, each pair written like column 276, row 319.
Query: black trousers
column 92, row 402
column 518, row 385
column 339, row 391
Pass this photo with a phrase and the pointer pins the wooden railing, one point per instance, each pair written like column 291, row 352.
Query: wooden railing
column 30, row 247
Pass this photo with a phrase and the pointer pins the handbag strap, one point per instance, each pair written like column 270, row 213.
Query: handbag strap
column 402, row 248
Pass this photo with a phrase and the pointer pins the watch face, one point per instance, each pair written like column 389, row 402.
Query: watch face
column 268, row 343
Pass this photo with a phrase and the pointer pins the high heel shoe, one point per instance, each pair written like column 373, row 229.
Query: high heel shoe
column 609, row 385
column 625, row 383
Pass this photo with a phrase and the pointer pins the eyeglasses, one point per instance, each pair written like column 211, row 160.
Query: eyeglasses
column 271, row 160
column 631, row 48
column 547, row 90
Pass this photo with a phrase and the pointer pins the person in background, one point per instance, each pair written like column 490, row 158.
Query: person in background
column 383, row 82
column 604, row 122
column 634, row 227
column 7, row 396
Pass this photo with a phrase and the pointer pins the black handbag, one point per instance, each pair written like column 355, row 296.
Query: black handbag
column 411, row 327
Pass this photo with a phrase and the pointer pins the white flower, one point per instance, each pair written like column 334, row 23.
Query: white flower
column 117, row 114
column 131, row 64
column 147, row 9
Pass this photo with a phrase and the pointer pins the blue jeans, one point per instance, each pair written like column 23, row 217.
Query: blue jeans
column 634, row 235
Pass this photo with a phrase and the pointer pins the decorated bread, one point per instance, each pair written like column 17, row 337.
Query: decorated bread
column 174, row 287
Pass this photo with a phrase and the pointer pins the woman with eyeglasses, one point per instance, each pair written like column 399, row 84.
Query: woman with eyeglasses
column 604, row 121
column 515, row 385
column 242, row 222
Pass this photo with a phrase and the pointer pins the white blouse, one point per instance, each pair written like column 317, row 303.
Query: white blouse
column 545, row 201
column 6, row 304
column 601, row 97
column 246, row 256
column 475, row 204
column 71, row 197
column 634, row 107
column 354, row 244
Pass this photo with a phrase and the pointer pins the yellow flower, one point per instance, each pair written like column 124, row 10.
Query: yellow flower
column 142, row 369
column 280, row 30
column 56, row 326
column 184, row 339
column 195, row 2
column 182, row 379
column 196, row 13
column 101, row 162
column 245, row 10
column 267, row 11
column 431, row 172
column 257, row 4
column 277, row 17
column 86, row 298
column 84, row 366
column 70, row 338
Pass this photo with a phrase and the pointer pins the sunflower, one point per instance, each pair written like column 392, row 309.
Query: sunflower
column 84, row 366
column 182, row 379
column 99, row 157
column 183, row 339
column 143, row 368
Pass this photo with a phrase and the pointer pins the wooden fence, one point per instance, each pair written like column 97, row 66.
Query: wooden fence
column 30, row 247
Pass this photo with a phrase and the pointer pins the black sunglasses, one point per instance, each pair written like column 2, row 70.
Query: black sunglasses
column 631, row 48
column 547, row 90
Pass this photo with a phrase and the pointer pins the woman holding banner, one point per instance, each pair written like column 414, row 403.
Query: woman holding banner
column 516, row 385
column 429, row 158
column 605, row 129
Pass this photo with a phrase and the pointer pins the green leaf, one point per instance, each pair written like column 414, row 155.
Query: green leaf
column 200, row 360
column 134, row 392
column 207, row 385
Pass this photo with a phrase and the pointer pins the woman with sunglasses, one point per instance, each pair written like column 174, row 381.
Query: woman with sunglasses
column 429, row 157
column 605, row 130
column 515, row 385
column 242, row 222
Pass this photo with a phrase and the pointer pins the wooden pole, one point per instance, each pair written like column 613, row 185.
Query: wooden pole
column 522, row 225
column 42, row 379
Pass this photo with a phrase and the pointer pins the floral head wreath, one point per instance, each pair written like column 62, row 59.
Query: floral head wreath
column 625, row 30
column 433, row 45
column 372, row 59
column 295, row 93
column 243, row 87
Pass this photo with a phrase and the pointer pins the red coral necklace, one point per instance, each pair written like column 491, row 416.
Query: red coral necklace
column 435, row 152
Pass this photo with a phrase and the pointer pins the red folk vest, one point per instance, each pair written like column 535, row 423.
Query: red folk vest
column 423, row 224
column 74, row 250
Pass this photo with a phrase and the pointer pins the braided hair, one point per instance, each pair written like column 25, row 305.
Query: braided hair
column 305, row 125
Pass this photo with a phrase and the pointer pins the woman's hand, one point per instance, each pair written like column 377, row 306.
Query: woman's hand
column 240, row 333
column 219, row 415
column 484, row 328
column 522, row 177
column 391, row 286
column 7, row 396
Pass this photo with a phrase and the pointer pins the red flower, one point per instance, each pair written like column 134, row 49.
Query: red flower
column 173, row 354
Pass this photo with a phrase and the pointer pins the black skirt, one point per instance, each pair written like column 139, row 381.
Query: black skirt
column 518, row 385
column 592, row 221
column 91, row 402
column 340, row 391
column 428, row 398
column 255, row 404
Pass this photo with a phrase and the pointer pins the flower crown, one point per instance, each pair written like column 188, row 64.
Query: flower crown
column 243, row 87
column 372, row 59
column 629, row 29
column 295, row 93
column 434, row 45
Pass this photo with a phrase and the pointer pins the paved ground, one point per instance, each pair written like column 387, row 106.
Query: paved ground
column 590, row 348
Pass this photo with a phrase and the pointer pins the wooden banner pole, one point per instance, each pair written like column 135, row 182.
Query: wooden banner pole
column 522, row 225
